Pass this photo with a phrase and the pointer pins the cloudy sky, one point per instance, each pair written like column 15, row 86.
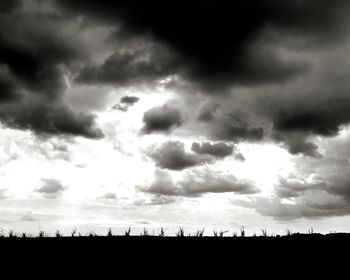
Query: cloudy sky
column 215, row 114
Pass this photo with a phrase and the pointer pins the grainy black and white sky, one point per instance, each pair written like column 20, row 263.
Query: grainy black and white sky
column 215, row 114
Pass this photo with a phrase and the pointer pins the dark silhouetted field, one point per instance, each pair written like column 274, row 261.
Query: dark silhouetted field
column 162, row 256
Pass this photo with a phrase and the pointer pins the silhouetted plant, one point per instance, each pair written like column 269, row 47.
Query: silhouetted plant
column 12, row 234
column 145, row 233
column 161, row 234
column 180, row 232
column 219, row 234
column 127, row 232
column 200, row 233
column 242, row 231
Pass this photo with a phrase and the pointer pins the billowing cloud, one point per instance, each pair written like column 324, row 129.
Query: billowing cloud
column 297, row 143
column 323, row 119
column 50, row 188
column 161, row 119
column 197, row 183
column 319, row 188
column 49, row 119
column 235, row 76
column 172, row 155
column 162, row 185
column 35, row 55
column 225, row 49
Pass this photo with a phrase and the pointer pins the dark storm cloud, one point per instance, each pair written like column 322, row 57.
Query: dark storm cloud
column 323, row 117
column 34, row 55
column 129, row 100
column 50, row 188
column 297, row 143
column 161, row 119
column 216, row 40
column 317, row 107
column 49, row 119
column 9, row 91
column 172, row 155
column 220, row 45
column 136, row 65
column 219, row 150
column 196, row 184
column 7, row 6
column 125, row 102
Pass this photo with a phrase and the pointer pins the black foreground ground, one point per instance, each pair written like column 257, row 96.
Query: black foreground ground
column 293, row 255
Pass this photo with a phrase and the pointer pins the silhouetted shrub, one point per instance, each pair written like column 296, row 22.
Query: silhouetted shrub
column 242, row 232
column 199, row 233
column 127, row 232
column 109, row 233
column 180, row 232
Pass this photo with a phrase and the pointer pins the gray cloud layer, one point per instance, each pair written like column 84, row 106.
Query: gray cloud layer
column 224, row 50
column 219, row 150
column 196, row 184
